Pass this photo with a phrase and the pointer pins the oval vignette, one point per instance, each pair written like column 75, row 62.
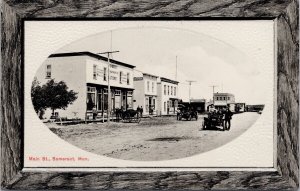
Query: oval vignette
column 149, row 76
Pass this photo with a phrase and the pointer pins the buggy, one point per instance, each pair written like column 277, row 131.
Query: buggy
column 213, row 120
column 128, row 116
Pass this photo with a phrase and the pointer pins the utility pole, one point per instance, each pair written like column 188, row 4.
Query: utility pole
column 176, row 69
column 108, row 81
column 213, row 86
column 190, row 85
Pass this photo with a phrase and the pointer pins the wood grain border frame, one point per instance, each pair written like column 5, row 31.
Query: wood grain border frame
column 287, row 18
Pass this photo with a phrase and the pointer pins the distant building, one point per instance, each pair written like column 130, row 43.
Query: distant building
column 87, row 74
column 255, row 108
column 237, row 107
column 197, row 104
column 167, row 93
column 221, row 100
column 145, row 93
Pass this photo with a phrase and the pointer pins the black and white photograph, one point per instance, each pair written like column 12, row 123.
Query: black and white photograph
column 156, row 93
column 149, row 95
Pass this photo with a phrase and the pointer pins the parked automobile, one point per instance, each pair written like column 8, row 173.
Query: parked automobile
column 213, row 120
column 187, row 114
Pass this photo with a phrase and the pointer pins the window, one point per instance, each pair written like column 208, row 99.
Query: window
column 217, row 98
column 91, row 98
column 104, row 74
column 168, row 90
column 48, row 71
column 224, row 98
column 164, row 89
column 148, row 84
column 128, row 80
column 129, row 93
column 174, row 91
column 228, row 98
column 100, row 102
column 121, row 74
column 165, row 106
column 147, row 104
column 152, row 86
column 171, row 90
column 95, row 72
column 105, row 100
column 129, row 102
column 118, row 92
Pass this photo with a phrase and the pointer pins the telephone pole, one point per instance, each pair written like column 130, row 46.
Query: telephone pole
column 108, row 82
column 213, row 87
column 190, row 85
column 176, row 70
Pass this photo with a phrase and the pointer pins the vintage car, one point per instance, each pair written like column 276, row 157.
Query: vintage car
column 187, row 114
column 213, row 120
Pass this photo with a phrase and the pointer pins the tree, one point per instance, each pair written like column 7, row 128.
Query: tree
column 38, row 98
column 57, row 95
column 53, row 95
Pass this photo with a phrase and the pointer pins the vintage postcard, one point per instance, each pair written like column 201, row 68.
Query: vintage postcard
column 149, row 94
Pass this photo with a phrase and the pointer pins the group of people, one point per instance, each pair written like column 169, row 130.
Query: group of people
column 140, row 110
column 226, row 114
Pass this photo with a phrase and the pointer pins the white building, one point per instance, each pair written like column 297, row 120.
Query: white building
column 221, row 100
column 145, row 94
column 87, row 74
column 167, row 94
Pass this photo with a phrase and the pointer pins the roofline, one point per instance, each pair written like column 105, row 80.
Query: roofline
column 150, row 75
column 86, row 53
column 168, row 80
column 223, row 94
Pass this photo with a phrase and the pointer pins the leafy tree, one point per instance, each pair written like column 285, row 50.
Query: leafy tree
column 58, row 96
column 38, row 98
column 53, row 95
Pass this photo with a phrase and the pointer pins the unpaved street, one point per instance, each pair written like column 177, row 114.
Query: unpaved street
column 158, row 138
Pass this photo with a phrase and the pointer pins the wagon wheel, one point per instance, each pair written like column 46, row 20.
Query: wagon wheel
column 204, row 125
column 223, row 125
column 189, row 118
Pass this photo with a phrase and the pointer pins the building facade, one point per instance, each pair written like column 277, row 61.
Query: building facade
column 221, row 100
column 145, row 94
column 167, row 94
column 87, row 74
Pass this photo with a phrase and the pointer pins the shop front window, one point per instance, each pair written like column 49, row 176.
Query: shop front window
column 129, row 101
column 91, row 98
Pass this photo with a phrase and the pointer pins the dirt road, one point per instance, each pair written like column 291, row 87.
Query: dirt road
column 158, row 138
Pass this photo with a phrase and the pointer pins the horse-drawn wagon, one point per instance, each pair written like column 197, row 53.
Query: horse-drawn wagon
column 128, row 116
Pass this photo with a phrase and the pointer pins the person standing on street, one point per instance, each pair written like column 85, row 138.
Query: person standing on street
column 141, row 110
column 228, row 117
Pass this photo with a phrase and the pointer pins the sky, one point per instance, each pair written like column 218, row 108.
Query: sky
column 201, row 58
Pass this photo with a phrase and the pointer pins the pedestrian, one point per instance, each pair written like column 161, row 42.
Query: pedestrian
column 178, row 113
column 95, row 113
column 228, row 117
column 138, row 110
column 141, row 110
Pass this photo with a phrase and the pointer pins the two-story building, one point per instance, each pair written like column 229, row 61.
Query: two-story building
column 145, row 93
column 167, row 94
column 221, row 100
column 87, row 74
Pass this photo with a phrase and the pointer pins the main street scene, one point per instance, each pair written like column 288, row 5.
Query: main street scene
column 175, row 98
